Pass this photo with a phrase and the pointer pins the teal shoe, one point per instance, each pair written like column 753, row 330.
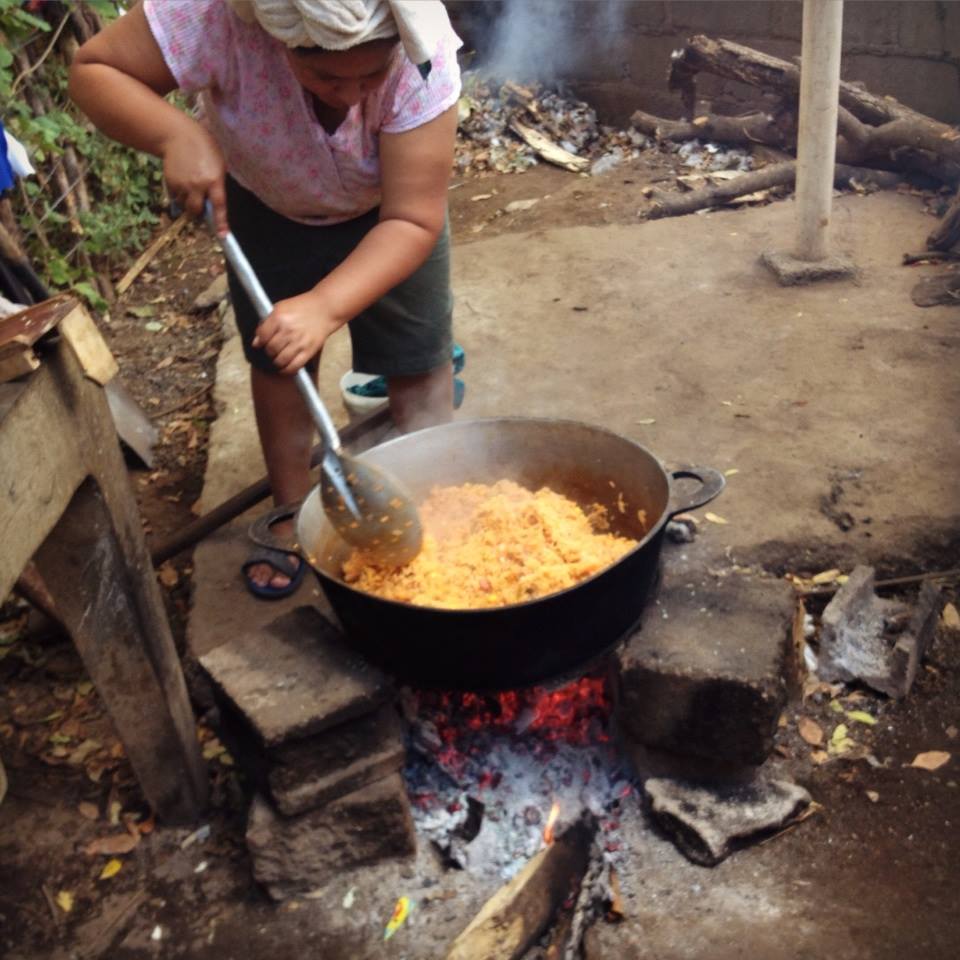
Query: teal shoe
column 377, row 387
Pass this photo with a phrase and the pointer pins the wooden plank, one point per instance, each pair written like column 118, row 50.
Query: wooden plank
column 40, row 468
column 141, row 263
column 89, row 347
column 17, row 363
column 28, row 326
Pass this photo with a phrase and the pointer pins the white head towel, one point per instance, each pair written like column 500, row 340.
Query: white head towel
column 341, row 24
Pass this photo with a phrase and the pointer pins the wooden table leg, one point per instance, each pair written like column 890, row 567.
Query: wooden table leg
column 128, row 652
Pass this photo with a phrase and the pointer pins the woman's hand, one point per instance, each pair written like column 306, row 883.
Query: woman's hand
column 296, row 330
column 194, row 169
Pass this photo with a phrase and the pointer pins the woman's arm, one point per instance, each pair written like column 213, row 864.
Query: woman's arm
column 119, row 79
column 415, row 170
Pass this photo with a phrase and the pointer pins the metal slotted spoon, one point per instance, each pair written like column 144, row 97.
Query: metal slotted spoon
column 368, row 507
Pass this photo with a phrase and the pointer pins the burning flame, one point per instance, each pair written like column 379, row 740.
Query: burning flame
column 551, row 821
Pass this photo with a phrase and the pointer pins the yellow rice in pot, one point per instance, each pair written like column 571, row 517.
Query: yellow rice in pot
column 488, row 546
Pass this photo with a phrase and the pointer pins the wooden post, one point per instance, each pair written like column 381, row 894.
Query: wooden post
column 817, row 141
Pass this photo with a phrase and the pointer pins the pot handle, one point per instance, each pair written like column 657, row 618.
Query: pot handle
column 711, row 483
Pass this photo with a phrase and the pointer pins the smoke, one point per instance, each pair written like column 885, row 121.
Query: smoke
column 549, row 40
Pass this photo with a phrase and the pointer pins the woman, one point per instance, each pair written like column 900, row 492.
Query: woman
column 325, row 142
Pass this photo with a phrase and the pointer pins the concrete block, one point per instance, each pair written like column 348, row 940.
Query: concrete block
column 880, row 642
column 710, row 671
column 791, row 272
column 309, row 773
column 292, row 855
column 295, row 677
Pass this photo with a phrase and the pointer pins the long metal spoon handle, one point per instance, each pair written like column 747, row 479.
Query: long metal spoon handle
column 264, row 307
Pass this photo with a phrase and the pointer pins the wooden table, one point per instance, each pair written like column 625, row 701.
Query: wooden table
column 67, row 503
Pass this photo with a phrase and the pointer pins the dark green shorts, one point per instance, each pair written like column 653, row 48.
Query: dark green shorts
column 406, row 332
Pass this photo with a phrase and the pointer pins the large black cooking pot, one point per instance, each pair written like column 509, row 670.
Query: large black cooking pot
column 524, row 643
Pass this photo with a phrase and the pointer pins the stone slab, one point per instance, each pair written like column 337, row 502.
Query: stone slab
column 791, row 271
column 309, row 773
column 294, row 677
column 292, row 855
column 709, row 823
column 709, row 672
column 878, row 641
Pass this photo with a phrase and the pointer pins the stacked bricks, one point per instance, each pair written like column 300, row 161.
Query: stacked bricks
column 317, row 732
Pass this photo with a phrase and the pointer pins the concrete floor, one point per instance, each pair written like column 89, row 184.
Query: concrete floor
column 840, row 398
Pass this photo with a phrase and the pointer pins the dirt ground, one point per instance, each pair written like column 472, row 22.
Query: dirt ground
column 873, row 874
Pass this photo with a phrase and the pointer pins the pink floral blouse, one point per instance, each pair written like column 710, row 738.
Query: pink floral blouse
column 263, row 119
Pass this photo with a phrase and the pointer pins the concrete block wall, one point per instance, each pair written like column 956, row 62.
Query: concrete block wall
column 616, row 53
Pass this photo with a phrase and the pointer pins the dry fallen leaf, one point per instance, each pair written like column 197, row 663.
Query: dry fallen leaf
column 810, row 730
column 950, row 617
column 840, row 741
column 713, row 518
column 83, row 751
column 168, row 575
column 111, row 869
column 827, row 576
column 65, row 901
column 931, row 760
column 213, row 748
column 115, row 844
column 819, row 757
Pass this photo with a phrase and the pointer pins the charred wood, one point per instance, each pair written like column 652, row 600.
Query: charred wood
column 930, row 256
column 769, row 129
column 512, row 919
column 777, row 175
column 947, row 233
column 872, row 129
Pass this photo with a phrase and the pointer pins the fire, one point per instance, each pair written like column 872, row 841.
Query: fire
column 551, row 821
column 576, row 713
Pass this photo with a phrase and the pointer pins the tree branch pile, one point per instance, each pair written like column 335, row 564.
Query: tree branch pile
column 874, row 132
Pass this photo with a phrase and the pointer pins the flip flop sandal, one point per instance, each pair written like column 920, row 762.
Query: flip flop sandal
column 273, row 552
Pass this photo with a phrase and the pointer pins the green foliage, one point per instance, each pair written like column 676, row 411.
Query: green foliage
column 123, row 185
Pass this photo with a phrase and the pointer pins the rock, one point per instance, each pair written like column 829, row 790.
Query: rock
column 310, row 773
column 212, row 296
column 293, row 678
column 709, row 672
column 707, row 823
column 292, row 855
column 880, row 642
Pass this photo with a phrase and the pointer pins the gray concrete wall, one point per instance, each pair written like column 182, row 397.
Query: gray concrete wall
column 616, row 53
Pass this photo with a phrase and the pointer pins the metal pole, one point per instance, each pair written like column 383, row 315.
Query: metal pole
column 817, row 140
